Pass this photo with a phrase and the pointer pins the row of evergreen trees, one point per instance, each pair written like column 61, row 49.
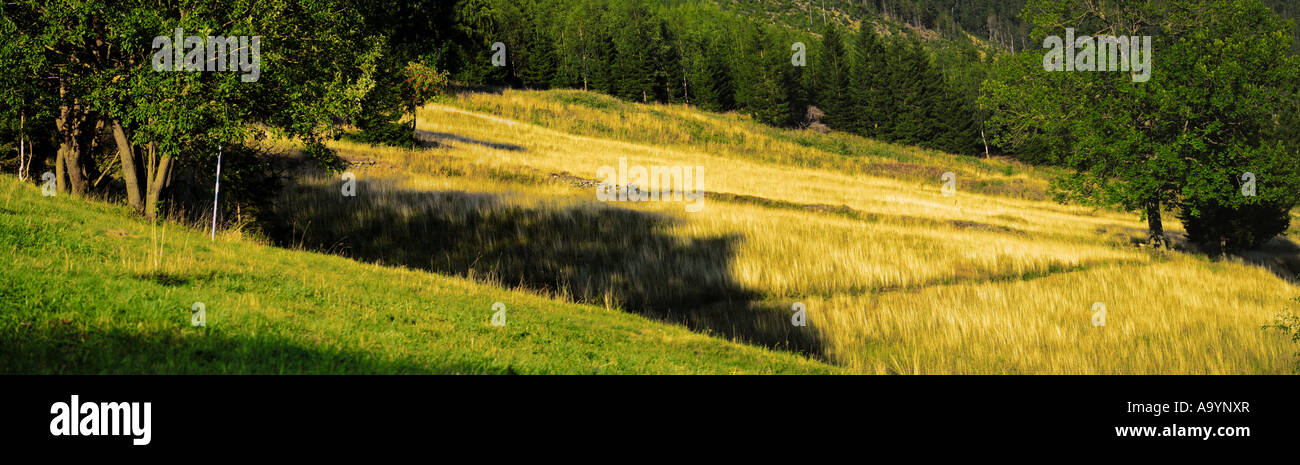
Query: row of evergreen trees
column 889, row 89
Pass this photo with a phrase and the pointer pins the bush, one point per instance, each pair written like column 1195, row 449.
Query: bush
column 326, row 158
column 1221, row 229
column 380, row 130
column 382, row 119
column 1288, row 323
column 251, row 178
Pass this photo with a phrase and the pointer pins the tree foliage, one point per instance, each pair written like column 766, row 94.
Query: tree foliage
column 1223, row 79
column 92, row 68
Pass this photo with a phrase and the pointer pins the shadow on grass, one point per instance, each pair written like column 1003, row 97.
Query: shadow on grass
column 59, row 347
column 440, row 137
column 588, row 253
column 1279, row 255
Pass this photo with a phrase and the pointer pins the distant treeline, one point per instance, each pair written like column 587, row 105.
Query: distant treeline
column 997, row 21
column 890, row 88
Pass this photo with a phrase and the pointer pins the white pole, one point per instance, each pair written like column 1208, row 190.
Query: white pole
column 216, row 191
column 22, row 154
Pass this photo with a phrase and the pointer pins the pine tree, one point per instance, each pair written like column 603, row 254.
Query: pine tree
column 870, row 84
column 914, row 121
column 766, row 80
column 830, row 82
column 635, row 46
column 722, row 81
column 668, row 70
column 478, row 22
column 956, row 124
column 538, row 68
column 711, row 80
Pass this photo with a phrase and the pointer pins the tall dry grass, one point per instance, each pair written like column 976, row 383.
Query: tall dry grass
column 896, row 277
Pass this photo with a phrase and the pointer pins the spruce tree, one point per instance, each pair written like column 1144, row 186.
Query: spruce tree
column 767, row 80
column 830, row 83
column 870, row 102
column 635, row 46
column 748, row 67
column 538, row 68
column 719, row 80
column 913, row 121
column 955, row 124
column 669, row 74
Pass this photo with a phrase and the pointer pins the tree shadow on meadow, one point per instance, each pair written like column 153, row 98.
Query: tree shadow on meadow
column 444, row 137
column 1280, row 255
column 588, row 253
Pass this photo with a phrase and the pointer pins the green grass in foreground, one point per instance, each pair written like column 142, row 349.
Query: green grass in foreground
column 87, row 289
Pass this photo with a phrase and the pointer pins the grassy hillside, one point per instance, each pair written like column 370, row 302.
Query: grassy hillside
column 896, row 277
column 87, row 289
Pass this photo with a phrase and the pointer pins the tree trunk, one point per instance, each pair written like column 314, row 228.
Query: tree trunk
column 157, row 180
column 71, row 149
column 92, row 127
column 126, row 152
column 60, row 178
column 686, row 91
column 1155, row 228
column 68, row 163
column 986, row 142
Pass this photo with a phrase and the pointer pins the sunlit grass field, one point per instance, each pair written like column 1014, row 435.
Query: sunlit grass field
column 895, row 276
column 87, row 289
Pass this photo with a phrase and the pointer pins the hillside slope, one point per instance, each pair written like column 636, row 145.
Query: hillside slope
column 896, row 275
column 87, row 289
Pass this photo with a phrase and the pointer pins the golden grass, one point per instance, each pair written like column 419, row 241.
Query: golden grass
column 897, row 277
column 1160, row 318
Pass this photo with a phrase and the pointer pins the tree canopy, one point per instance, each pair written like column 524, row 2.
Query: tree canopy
column 1212, row 111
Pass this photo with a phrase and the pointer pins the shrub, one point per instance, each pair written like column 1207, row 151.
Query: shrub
column 1221, row 229
column 1288, row 323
